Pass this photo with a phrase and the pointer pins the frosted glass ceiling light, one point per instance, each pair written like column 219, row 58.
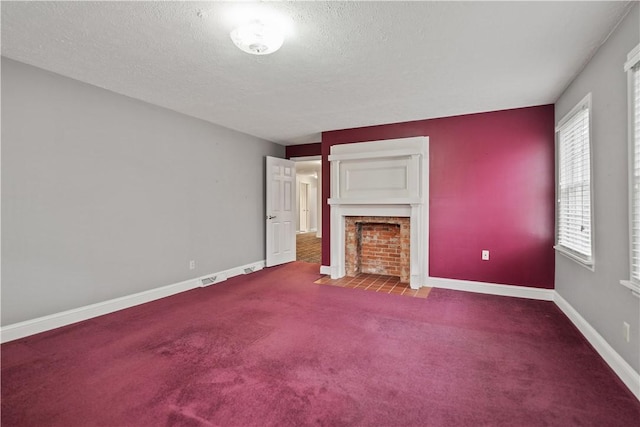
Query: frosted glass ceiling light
column 258, row 37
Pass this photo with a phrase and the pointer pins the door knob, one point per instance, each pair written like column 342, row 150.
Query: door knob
column 271, row 216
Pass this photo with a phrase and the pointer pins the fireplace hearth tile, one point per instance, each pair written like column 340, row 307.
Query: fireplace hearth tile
column 375, row 283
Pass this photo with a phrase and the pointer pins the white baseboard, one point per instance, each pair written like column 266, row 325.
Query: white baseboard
column 244, row 269
column 30, row 327
column 311, row 230
column 492, row 288
column 57, row 320
column 480, row 287
column 626, row 373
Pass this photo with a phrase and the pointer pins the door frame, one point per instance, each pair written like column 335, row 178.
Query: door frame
column 319, row 190
column 303, row 194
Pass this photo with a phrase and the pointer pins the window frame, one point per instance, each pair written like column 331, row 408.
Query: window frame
column 579, row 258
column 632, row 66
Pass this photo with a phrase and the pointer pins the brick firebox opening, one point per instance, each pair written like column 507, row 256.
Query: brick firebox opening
column 377, row 245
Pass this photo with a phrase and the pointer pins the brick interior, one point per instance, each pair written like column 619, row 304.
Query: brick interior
column 378, row 245
column 380, row 248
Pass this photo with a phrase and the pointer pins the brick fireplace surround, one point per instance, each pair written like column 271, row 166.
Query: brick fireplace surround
column 377, row 245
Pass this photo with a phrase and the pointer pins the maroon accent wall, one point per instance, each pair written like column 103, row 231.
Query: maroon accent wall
column 491, row 187
column 303, row 150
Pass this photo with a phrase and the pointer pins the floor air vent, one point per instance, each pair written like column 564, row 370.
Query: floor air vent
column 249, row 270
column 209, row 280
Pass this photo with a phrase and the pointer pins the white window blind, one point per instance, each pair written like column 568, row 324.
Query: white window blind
column 635, row 177
column 574, row 185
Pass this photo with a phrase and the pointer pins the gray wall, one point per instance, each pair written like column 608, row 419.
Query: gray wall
column 597, row 295
column 104, row 196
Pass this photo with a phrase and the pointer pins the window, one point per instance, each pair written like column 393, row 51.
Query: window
column 574, row 219
column 632, row 66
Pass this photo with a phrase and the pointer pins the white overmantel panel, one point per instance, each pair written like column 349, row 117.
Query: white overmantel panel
column 378, row 171
column 382, row 178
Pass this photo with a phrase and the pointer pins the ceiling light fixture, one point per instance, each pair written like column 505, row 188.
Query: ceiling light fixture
column 258, row 37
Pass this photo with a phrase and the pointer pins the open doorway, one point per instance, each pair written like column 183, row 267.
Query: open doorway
column 309, row 209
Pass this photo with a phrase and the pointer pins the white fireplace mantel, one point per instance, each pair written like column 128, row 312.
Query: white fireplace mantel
column 382, row 178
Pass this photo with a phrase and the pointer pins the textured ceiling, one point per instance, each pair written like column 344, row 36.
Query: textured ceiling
column 345, row 64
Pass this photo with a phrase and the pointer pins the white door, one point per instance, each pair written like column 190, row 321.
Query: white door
column 280, row 210
column 304, row 207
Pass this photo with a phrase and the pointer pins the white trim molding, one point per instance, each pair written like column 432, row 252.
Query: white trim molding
column 57, row 320
column 568, row 241
column 624, row 371
column 492, row 288
column 633, row 106
column 64, row 318
column 306, row 158
column 633, row 58
column 634, row 288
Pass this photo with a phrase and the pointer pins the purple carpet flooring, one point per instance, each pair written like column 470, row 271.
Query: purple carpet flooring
column 274, row 349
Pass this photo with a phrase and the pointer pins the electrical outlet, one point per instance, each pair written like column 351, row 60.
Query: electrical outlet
column 192, row 265
column 485, row 255
column 626, row 331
